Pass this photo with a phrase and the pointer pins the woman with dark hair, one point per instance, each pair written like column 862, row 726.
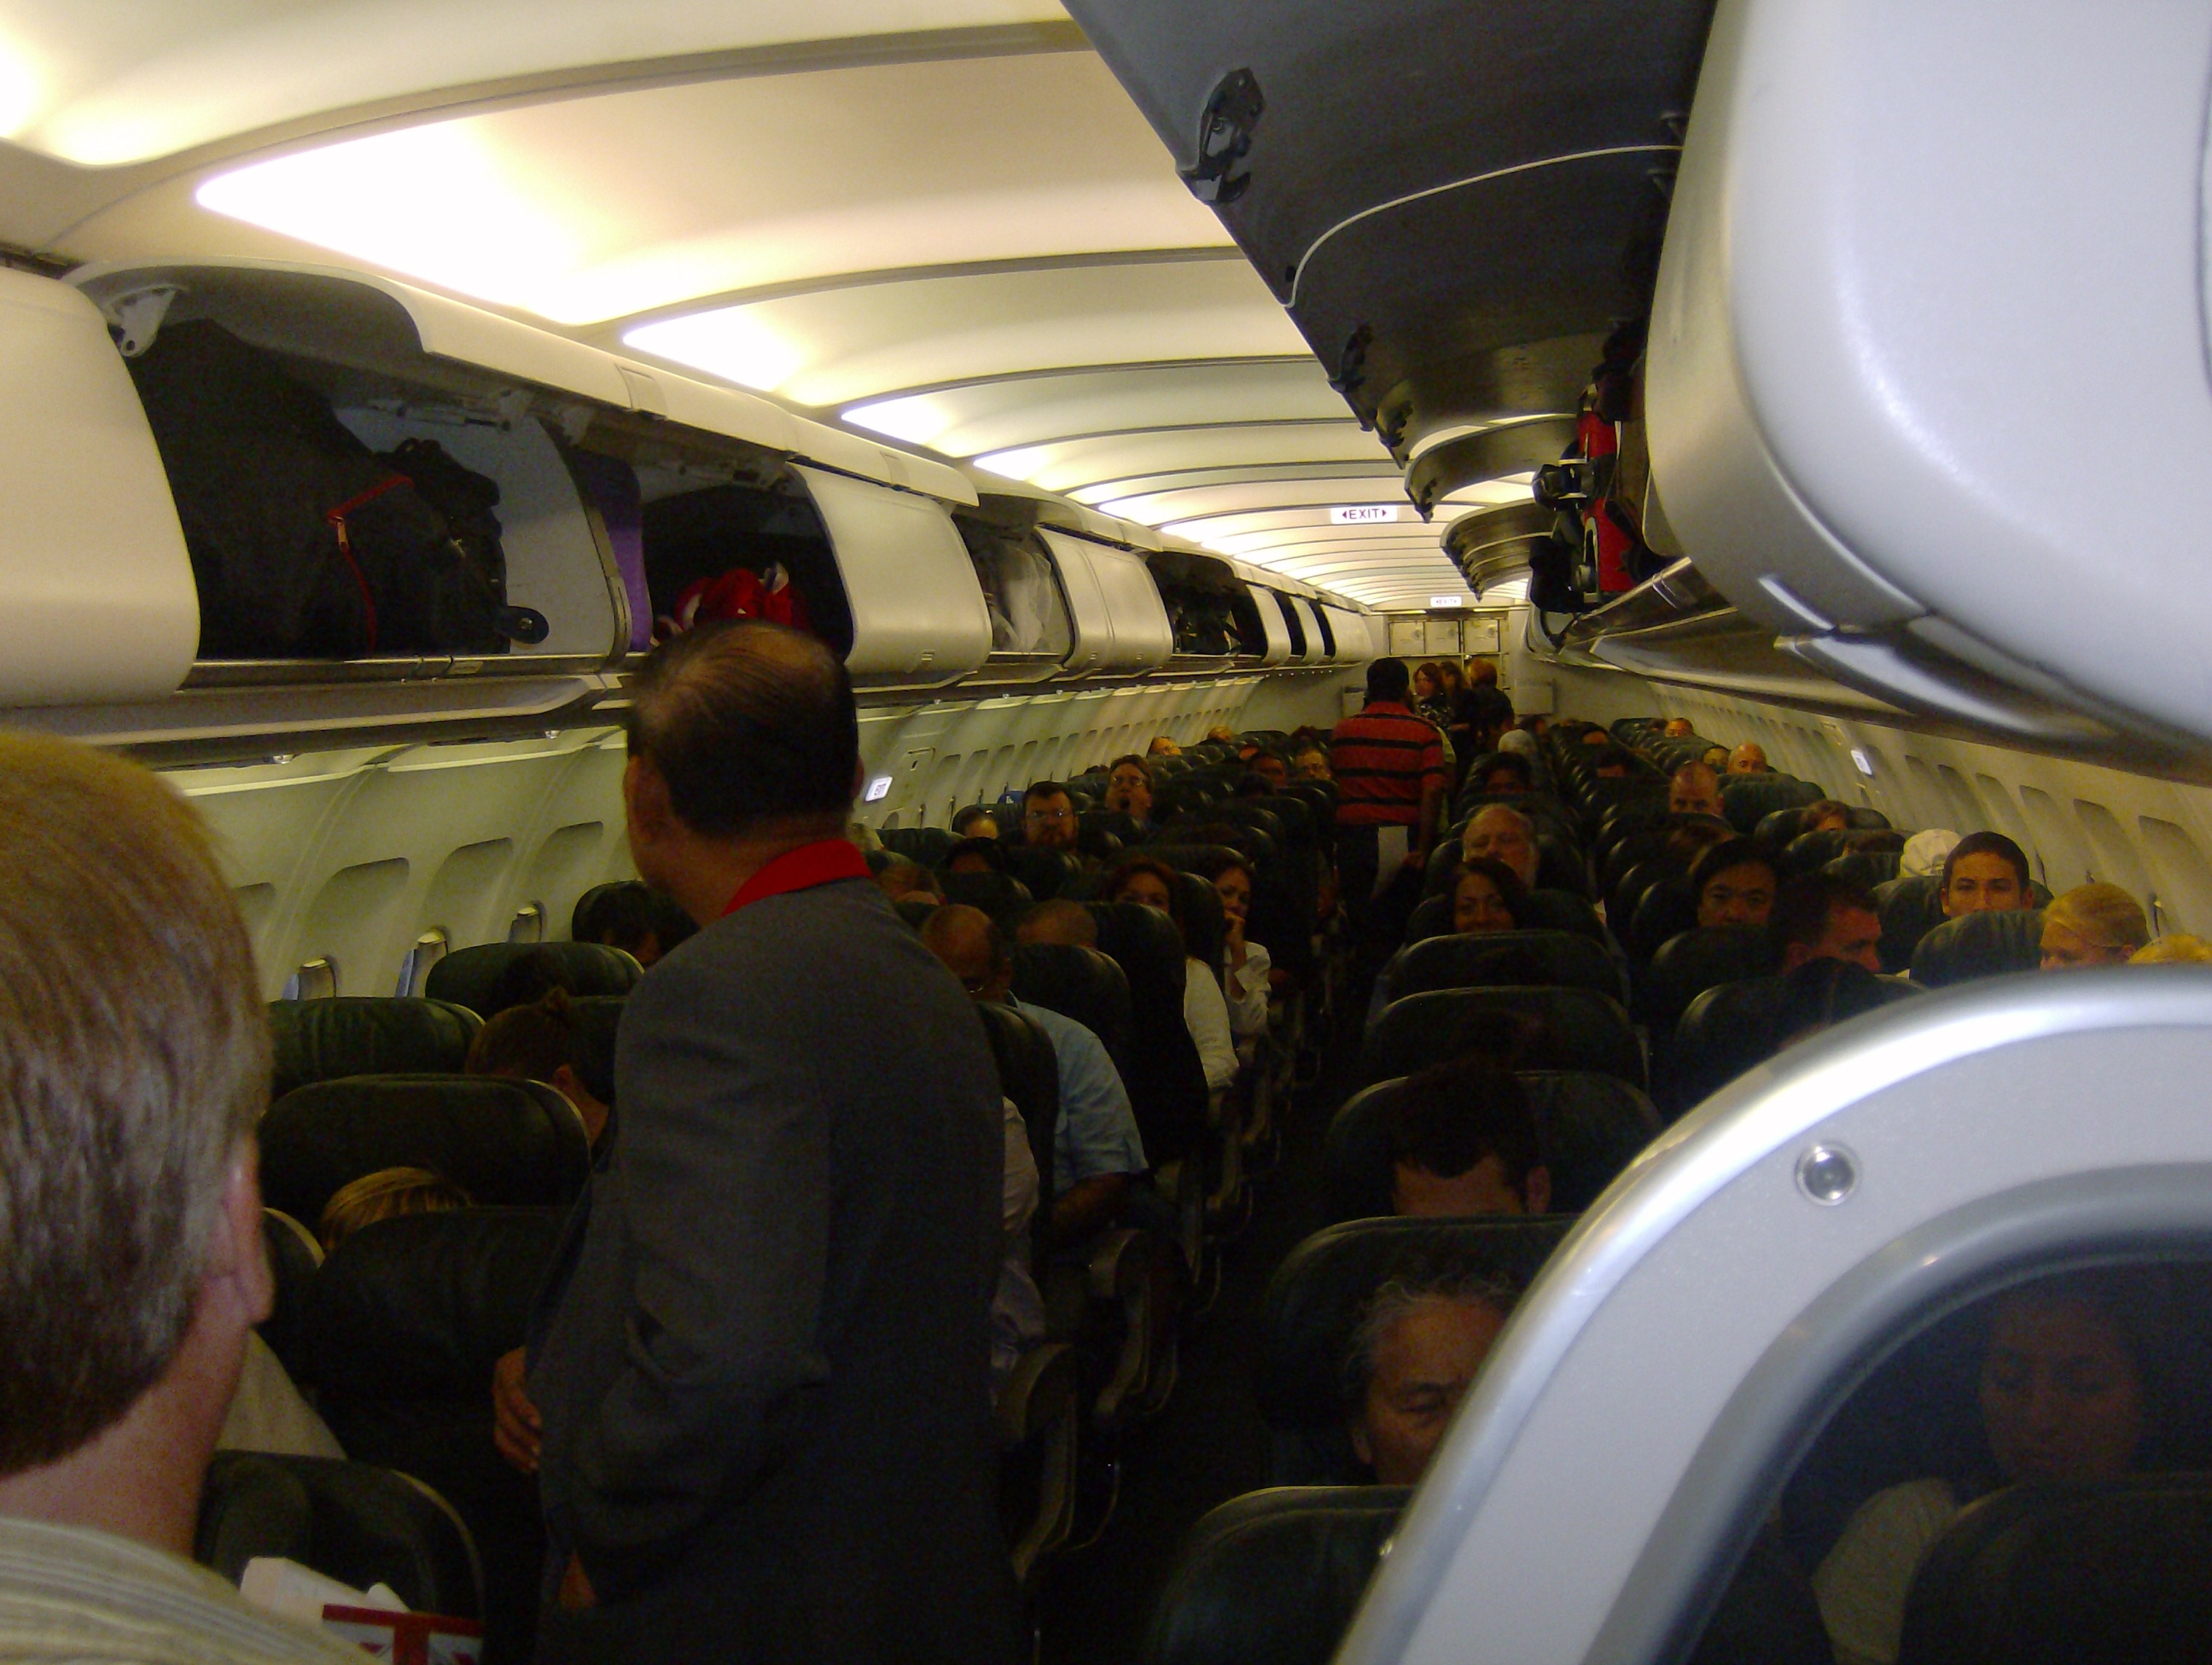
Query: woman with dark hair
column 975, row 855
column 1152, row 883
column 1488, row 896
column 1245, row 965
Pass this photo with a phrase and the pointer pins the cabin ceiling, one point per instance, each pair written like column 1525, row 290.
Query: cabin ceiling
column 941, row 222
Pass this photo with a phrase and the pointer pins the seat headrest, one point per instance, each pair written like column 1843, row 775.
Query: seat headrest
column 1004, row 897
column 598, row 1020
column 294, row 1256
column 1531, row 958
column 1077, row 982
column 1045, row 873
column 1988, row 944
column 1700, row 958
column 505, row 1143
column 1562, row 1029
column 494, row 976
column 1560, row 910
column 1911, row 906
column 365, row 1035
column 1143, row 942
column 1274, row 1575
column 1809, row 851
column 422, row 1306
column 1747, row 799
column 1029, row 1073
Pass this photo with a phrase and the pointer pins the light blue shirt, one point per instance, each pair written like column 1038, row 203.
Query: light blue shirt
column 1097, row 1132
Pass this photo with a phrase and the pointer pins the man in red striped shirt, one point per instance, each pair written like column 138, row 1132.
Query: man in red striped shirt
column 1389, row 770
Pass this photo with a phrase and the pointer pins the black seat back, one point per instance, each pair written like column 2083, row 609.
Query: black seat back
column 598, row 1023
column 1529, row 957
column 1988, row 944
column 1910, row 906
column 1160, row 1064
column 1029, row 1073
column 1864, row 868
column 1575, row 1028
column 1044, row 873
column 1810, row 851
column 1005, row 899
column 1747, row 799
column 925, row 846
column 359, row 1524
column 1589, row 1126
column 512, row 1143
column 1080, row 983
column 1272, row 1576
column 1546, row 910
column 1313, row 1303
column 365, row 1035
column 1664, row 912
column 472, row 976
column 1689, row 963
column 294, row 1257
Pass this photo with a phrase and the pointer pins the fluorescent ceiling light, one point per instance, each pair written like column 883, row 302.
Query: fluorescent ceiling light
column 732, row 343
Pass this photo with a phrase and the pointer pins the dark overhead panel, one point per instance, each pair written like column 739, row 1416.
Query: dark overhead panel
column 1492, row 545
column 1458, row 200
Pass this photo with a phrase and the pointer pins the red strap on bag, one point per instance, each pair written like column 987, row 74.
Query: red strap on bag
column 336, row 520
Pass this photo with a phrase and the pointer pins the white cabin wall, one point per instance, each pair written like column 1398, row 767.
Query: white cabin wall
column 2077, row 821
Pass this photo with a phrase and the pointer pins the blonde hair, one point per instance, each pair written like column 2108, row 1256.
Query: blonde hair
column 386, row 1194
column 2102, row 915
column 133, row 1062
column 2176, row 948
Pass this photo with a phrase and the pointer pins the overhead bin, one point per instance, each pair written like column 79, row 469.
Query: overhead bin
column 1492, row 545
column 1031, row 632
column 1274, row 631
column 1939, row 427
column 1354, row 641
column 1210, row 610
column 1120, row 622
column 918, row 613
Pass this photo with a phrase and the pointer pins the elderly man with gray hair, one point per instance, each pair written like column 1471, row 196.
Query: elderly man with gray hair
column 1504, row 834
column 1418, row 1344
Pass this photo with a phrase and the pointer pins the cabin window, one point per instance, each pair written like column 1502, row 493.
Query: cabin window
column 315, row 980
column 528, row 924
column 1028, row 613
column 415, row 966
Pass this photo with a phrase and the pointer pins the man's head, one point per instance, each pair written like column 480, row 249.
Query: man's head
column 1270, row 767
column 975, row 821
column 1507, row 772
column 738, row 733
column 1986, row 873
column 1129, row 787
column 1498, row 833
column 1749, row 758
column 1059, row 921
column 1415, row 1349
column 1387, row 680
column 1829, row 815
column 973, row 949
column 1678, row 728
column 1049, row 819
column 1481, row 673
column 1311, row 761
column 1734, row 883
column 134, row 1063
column 1816, row 916
column 906, row 878
column 1611, row 762
column 636, row 918
column 537, row 1043
column 2092, row 925
column 1464, row 1141
column 1161, row 746
column 1693, row 790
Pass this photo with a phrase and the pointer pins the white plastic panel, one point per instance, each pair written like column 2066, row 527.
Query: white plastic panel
column 1354, row 641
column 1316, row 645
column 1271, row 621
column 96, row 594
column 918, row 612
column 1136, row 619
column 1880, row 389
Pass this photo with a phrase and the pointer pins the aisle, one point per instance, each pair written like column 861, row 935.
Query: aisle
column 1210, row 1444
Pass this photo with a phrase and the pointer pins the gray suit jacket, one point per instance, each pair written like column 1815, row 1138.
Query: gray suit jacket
column 762, row 1357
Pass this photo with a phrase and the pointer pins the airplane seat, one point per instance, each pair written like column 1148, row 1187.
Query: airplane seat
column 365, row 1035
column 1589, row 1125
column 1809, row 852
column 1631, row 848
column 1431, row 917
column 1640, row 815
column 1077, row 982
column 1312, row 1308
column 1985, row 944
column 1444, row 865
column 1561, row 867
column 1864, row 868
column 1693, row 961
column 1038, row 1413
column 353, row 1521
column 1045, row 873
column 597, row 1022
column 1747, row 799
column 1547, row 910
column 1632, row 886
column 1778, row 829
column 1274, row 1575
column 1029, row 1074
column 1864, row 818
column 1569, row 1028
column 927, row 845
column 1008, row 815
column 1103, row 843
column 409, row 1317
column 1159, row 1064
column 1205, row 926
column 915, row 906
column 295, row 1256
column 1910, row 906
column 2120, row 1570
column 1727, row 1029
column 1601, row 795
column 1666, row 910
column 515, row 1143
column 879, row 860
column 473, row 976
column 1005, row 898
column 1525, row 958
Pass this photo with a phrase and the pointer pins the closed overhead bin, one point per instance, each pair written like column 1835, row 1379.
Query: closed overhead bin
column 1121, row 623
column 917, row 610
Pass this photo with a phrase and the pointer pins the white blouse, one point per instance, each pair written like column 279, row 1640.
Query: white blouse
column 1206, row 1013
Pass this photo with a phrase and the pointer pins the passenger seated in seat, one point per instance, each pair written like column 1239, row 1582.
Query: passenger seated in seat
column 1205, row 1010
column 1826, row 815
column 1734, row 883
column 1059, row 921
column 975, row 821
column 1246, row 966
column 1816, row 916
column 528, row 978
column 2092, row 925
column 1678, row 728
column 1464, row 1141
column 2062, row 1398
column 975, row 855
column 1716, row 759
column 1498, row 833
column 1414, row 1351
column 1096, row 1154
column 2175, row 948
column 537, row 1043
column 1693, row 789
column 907, row 878
column 1985, row 870
column 1613, row 762
column 1488, row 896
column 1749, row 758
column 1161, row 746
column 1270, row 767
column 638, row 919
column 1311, row 762
column 386, row 1194
column 1505, row 773
column 1049, row 819
column 1129, row 789
column 130, row 1215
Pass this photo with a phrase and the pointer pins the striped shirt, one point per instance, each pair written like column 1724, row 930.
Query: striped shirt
column 1382, row 760
column 71, row 1594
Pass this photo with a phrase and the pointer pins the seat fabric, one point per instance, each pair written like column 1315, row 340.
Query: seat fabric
column 471, row 977
column 1029, row 1073
column 1077, row 982
column 1910, row 906
column 1528, row 958
column 1692, row 962
column 1990, row 944
column 1575, row 1029
column 365, row 1035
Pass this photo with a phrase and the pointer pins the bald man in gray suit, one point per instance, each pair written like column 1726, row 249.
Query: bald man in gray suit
column 763, row 1358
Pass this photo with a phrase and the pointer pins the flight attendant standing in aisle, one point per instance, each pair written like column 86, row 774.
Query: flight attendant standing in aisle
column 762, row 1361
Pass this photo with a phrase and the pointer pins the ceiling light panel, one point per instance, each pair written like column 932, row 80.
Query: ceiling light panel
column 997, row 415
column 858, row 343
column 1350, row 477
column 1192, row 503
column 110, row 85
column 1071, row 463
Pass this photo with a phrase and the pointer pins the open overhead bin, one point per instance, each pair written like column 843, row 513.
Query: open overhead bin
column 1274, row 631
column 1121, row 624
column 1348, row 629
column 1210, row 610
column 1939, row 425
column 1492, row 545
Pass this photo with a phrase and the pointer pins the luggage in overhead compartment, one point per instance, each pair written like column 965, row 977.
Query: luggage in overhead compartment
column 305, row 544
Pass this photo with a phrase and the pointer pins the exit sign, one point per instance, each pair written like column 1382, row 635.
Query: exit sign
column 1362, row 515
